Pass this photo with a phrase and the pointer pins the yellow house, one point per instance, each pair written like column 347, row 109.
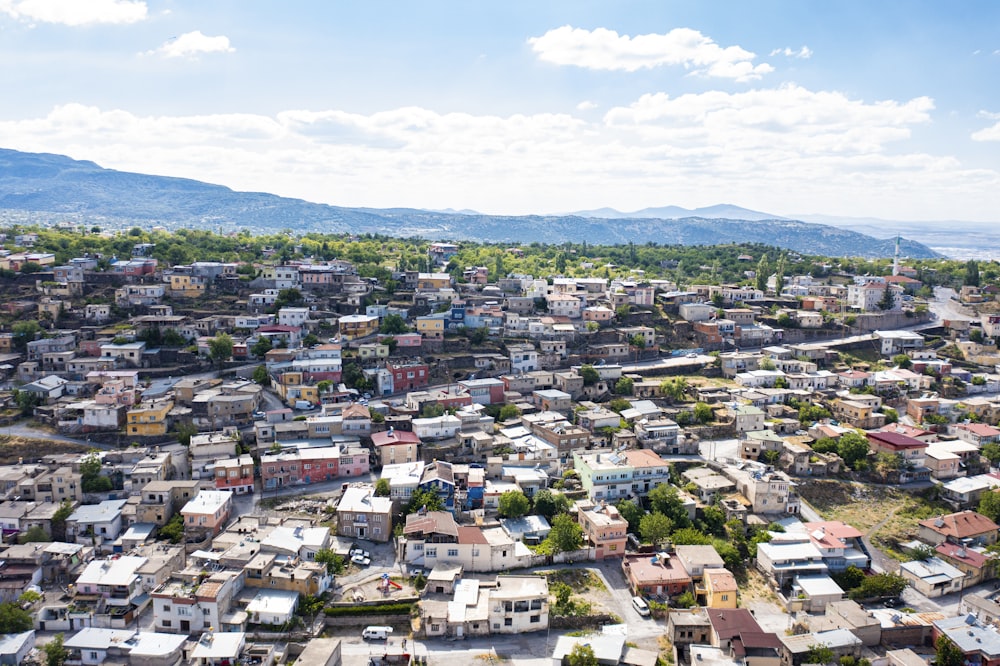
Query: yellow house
column 149, row 418
column 357, row 326
column 720, row 589
column 290, row 388
column 433, row 281
column 373, row 350
column 188, row 286
column 432, row 328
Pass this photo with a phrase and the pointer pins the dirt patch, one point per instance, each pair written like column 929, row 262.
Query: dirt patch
column 14, row 448
column 756, row 589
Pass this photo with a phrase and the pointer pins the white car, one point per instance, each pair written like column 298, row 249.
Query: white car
column 361, row 560
column 692, row 355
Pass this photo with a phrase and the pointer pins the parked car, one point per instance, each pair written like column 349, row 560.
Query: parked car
column 361, row 560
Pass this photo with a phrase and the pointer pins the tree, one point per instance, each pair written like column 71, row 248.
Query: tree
column 624, row 386
column 639, row 342
column 685, row 600
column 424, row 499
column 902, row 361
column 631, row 512
column 853, row 448
column 582, row 654
column 27, row 401
column 989, row 505
column 13, row 619
column 675, row 389
column 261, row 347
column 947, row 653
column 288, row 297
column 850, row 578
column 689, row 536
column 566, row 534
column 809, row 412
column 508, row 412
column 619, row 405
column 260, row 375
column 34, row 534
column 654, row 528
column 818, row 654
column 880, row 585
column 972, row 273
column 382, row 488
column 665, row 499
column 589, row 374
column 64, row 511
column 770, row 456
column 56, row 653
column 763, row 272
column 703, row 412
column 888, row 300
column 513, row 504
column 220, row 348
column 991, row 451
column 548, row 503
column 173, row 531
column 334, row 563
column 891, row 415
column 91, row 479
column 393, row 324
column 779, row 275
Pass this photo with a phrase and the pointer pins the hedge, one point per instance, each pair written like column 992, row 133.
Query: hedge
column 381, row 609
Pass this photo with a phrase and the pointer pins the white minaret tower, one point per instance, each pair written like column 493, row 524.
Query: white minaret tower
column 895, row 258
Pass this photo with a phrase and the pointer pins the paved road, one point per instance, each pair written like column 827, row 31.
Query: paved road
column 945, row 305
column 28, row 430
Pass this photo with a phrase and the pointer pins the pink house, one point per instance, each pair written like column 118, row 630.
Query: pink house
column 208, row 512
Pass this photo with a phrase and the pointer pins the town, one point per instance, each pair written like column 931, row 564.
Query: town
column 392, row 456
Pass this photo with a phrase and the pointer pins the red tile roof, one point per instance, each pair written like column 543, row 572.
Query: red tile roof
column 961, row 525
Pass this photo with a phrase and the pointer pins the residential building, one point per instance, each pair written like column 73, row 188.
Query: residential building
column 965, row 528
column 235, row 474
column 208, row 512
column 396, row 446
column 362, row 515
column 605, row 529
column 655, row 576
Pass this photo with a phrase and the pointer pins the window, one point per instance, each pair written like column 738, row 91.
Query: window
column 725, row 597
column 535, row 619
column 508, row 622
column 536, row 604
column 166, row 623
column 453, row 552
column 431, row 552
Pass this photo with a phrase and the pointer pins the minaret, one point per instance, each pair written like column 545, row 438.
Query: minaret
column 895, row 258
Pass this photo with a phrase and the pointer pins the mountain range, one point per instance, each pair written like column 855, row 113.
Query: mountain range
column 47, row 188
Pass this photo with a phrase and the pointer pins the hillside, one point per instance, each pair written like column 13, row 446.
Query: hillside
column 51, row 187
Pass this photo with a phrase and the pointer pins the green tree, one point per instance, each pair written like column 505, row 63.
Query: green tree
column 56, row 653
column 631, row 512
column 654, row 528
column 818, row 654
column 947, row 653
column 991, row 451
column 382, row 488
column 393, row 324
column 508, row 412
column 220, row 348
column 59, row 518
column 171, row 338
column 34, row 534
column 260, row 375
column 625, row 386
column 880, row 585
column 989, row 505
column 27, row 401
column 548, row 503
column 685, row 600
column 891, row 415
column 665, row 499
column 763, row 272
column 779, row 274
column 261, row 346
column 513, row 504
column 590, row 375
column 902, row 361
column 334, row 563
column 13, row 619
column 853, row 448
column 770, row 456
column 566, row 534
column 850, row 579
column 582, row 654
column 972, row 273
column 619, row 405
column 184, row 431
column 424, row 499
column 173, row 531
column 689, row 536
column 674, row 389
column 809, row 413
column 703, row 412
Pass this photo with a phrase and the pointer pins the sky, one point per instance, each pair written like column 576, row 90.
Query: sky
column 885, row 109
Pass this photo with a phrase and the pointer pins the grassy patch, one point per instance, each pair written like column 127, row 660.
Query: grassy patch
column 581, row 580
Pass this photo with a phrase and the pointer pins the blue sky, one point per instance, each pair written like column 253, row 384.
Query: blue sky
column 883, row 109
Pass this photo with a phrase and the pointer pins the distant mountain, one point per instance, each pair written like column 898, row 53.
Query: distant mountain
column 49, row 187
column 717, row 212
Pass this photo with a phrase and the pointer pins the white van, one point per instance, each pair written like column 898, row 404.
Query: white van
column 374, row 633
column 640, row 606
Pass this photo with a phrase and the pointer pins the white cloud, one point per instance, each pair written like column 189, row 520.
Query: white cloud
column 804, row 52
column 605, row 49
column 779, row 149
column 191, row 44
column 586, row 105
column 991, row 133
column 75, row 12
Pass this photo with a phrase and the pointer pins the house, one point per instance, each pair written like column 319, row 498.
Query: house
column 977, row 433
column 513, row 605
column 361, row 515
column 96, row 524
column 979, row 642
column 273, row 607
column 815, row 593
column 605, row 529
column 235, row 474
column 116, row 581
column 186, row 608
column 964, row 527
column 696, row 560
column 911, row 453
column 977, row 565
column 728, row 624
column 658, row 575
column 14, row 648
column 208, row 512
column 353, row 327
column 296, row 541
column 840, row 545
column 747, row 417
column 841, row 642
column 785, row 559
column 719, row 589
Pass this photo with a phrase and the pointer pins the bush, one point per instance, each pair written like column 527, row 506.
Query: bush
column 380, row 609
